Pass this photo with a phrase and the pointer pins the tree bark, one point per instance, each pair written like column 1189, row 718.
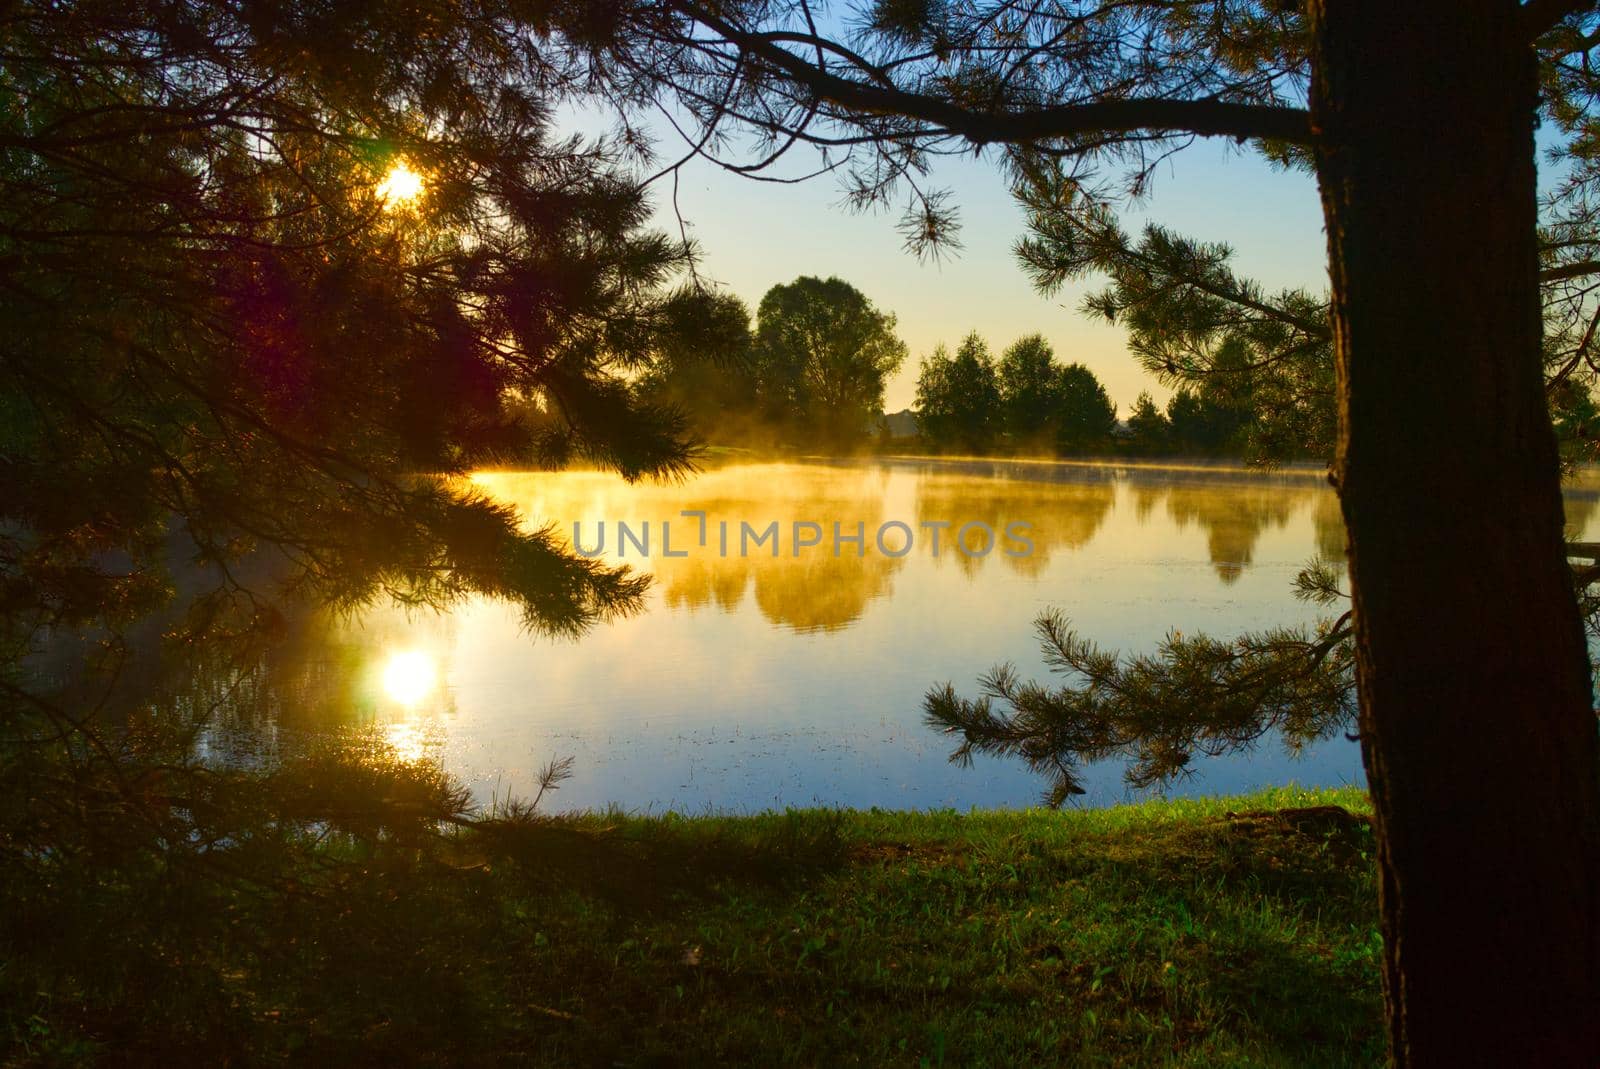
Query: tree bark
column 1477, row 725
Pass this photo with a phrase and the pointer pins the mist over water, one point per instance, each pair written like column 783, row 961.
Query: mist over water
column 755, row 681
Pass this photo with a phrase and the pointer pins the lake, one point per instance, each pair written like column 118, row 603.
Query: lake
column 754, row 681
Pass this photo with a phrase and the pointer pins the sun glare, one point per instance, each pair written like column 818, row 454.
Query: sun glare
column 408, row 677
column 400, row 186
column 407, row 741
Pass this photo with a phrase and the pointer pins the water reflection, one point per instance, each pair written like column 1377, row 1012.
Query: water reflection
column 377, row 683
column 758, row 680
column 1234, row 518
column 1581, row 500
column 1328, row 524
column 1062, row 507
column 811, row 589
column 1062, row 514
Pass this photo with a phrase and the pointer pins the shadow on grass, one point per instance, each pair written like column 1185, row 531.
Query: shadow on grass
column 645, row 866
column 1271, row 916
column 777, row 939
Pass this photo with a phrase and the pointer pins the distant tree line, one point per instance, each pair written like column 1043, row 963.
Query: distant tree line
column 1194, row 423
column 1028, row 402
column 810, row 371
column 968, row 402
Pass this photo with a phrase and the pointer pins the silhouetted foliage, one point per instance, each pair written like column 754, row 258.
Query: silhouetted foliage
column 1258, row 367
column 708, row 372
column 1084, row 416
column 1027, row 401
column 1049, row 405
column 1200, row 425
column 822, row 354
column 1029, row 388
column 958, row 397
column 1193, row 695
column 212, row 314
column 1149, row 432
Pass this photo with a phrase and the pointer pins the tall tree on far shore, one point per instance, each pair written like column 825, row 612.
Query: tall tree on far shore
column 822, row 355
column 958, row 397
column 1200, row 425
column 1030, row 389
column 1085, row 415
column 1051, row 406
column 1149, row 432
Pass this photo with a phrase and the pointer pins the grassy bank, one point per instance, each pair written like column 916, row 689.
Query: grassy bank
column 1210, row 933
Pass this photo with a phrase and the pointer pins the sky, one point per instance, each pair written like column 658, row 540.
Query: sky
column 754, row 235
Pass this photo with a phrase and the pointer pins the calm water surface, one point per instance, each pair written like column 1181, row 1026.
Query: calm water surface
column 757, row 682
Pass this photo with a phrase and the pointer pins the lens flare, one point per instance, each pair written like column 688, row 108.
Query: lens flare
column 409, row 676
column 400, row 186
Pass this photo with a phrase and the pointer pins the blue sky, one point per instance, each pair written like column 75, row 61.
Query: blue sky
column 754, row 235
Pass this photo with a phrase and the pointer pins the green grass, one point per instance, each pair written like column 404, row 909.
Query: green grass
column 1190, row 933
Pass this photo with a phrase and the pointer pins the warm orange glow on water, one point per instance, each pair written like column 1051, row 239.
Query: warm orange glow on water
column 756, row 680
column 407, row 742
column 816, row 590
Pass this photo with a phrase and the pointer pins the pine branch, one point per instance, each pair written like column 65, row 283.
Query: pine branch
column 879, row 97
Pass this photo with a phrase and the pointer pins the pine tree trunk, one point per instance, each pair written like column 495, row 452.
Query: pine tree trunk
column 1476, row 721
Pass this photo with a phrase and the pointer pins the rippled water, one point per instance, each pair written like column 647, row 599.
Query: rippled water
column 761, row 681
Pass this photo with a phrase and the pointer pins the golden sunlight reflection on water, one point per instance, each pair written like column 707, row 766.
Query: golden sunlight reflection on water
column 408, row 741
column 759, row 681
column 1067, row 508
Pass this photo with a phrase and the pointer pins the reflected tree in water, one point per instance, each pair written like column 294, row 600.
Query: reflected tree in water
column 813, row 590
column 1233, row 522
column 1064, row 513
